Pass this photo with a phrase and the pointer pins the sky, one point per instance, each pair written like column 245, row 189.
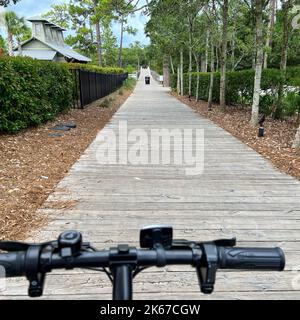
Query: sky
column 29, row 8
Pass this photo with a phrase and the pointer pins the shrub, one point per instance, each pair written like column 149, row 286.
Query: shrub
column 239, row 88
column 106, row 103
column 95, row 68
column 293, row 76
column 291, row 104
column 130, row 69
column 32, row 92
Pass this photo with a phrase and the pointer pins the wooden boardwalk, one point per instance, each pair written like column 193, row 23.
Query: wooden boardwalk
column 239, row 194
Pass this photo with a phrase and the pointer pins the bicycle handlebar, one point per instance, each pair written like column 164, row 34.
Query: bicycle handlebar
column 124, row 262
column 229, row 258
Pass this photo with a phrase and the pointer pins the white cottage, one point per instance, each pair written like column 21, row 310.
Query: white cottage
column 47, row 43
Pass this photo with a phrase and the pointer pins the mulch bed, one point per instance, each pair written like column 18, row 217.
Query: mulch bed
column 275, row 146
column 32, row 163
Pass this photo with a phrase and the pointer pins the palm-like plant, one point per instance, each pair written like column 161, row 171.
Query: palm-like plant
column 15, row 27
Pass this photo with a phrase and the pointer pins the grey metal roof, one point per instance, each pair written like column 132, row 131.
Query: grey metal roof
column 37, row 18
column 51, row 24
column 64, row 50
column 54, row 26
column 67, row 52
column 38, row 54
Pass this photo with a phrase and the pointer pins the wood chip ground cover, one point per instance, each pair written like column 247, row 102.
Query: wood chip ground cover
column 34, row 161
column 275, row 146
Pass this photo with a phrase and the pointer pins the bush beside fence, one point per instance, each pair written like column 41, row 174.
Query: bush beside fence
column 239, row 87
column 33, row 92
column 94, row 68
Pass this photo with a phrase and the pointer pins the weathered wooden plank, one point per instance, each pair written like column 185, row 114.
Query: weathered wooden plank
column 119, row 235
column 138, row 186
column 169, row 197
column 180, row 282
column 155, row 205
column 178, row 223
column 83, row 215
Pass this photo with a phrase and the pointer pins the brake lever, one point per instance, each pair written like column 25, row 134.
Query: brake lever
column 14, row 246
column 219, row 243
column 205, row 259
column 181, row 243
column 225, row 242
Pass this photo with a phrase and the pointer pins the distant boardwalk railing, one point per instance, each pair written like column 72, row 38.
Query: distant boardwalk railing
column 91, row 86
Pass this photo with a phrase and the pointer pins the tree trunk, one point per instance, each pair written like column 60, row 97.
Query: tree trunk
column 254, row 50
column 233, row 54
column 232, row 42
column 190, row 56
column 181, row 72
column 270, row 32
column 198, row 76
column 254, row 44
column 178, row 80
column 99, row 43
column 211, row 82
column 98, row 36
column 10, row 44
column 204, row 57
column 203, row 63
column 172, row 65
column 166, row 71
column 285, row 34
column 91, row 32
column 259, row 61
column 284, row 52
column 224, row 55
column 217, row 58
column 206, row 50
column 190, row 72
column 296, row 143
column 120, row 59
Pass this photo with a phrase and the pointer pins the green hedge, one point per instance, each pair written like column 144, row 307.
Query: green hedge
column 95, row 68
column 32, row 92
column 293, row 76
column 239, row 86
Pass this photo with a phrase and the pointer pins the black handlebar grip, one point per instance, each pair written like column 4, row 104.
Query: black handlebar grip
column 251, row 258
column 13, row 264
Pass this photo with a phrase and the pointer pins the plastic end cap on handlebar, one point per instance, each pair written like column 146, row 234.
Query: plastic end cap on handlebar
column 282, row 260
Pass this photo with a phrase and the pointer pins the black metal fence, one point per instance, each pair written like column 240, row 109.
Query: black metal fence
column 91, row 86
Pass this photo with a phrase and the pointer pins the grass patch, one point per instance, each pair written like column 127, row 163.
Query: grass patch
column 106, row 103
column 129, row 84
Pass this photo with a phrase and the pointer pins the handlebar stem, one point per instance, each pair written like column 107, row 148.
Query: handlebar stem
column 122, row 282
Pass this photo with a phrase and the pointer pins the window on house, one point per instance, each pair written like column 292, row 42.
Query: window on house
column 61, row 37
column 38, row 29
column 48, row 34
column 54, row 33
